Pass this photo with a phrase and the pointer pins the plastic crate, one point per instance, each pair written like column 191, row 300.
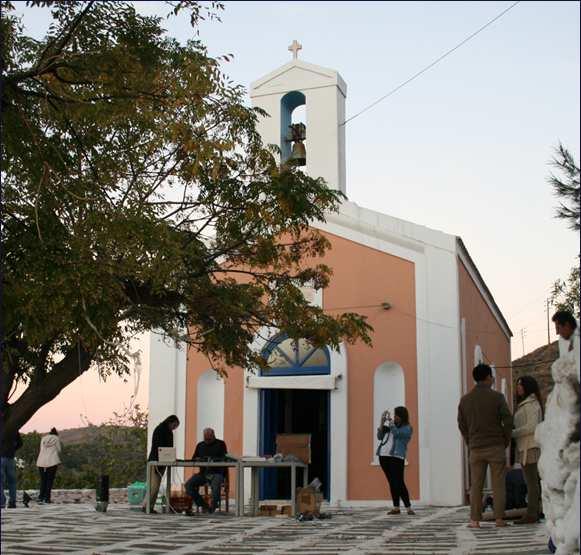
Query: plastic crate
column 136, row 493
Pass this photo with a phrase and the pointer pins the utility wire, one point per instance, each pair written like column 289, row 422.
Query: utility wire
column 407, row 314
column 433, row 63
column 530, row 303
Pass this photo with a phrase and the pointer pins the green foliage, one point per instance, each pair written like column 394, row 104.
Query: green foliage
column 566, row 187
column 137, row 196
column 565, row 293
column 116, row 448
column 26, row 470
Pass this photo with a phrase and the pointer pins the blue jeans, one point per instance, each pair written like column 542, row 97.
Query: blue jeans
column 215, row 481
column 8, row 479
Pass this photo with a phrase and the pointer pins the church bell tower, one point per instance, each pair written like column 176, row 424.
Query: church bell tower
column 319, row 143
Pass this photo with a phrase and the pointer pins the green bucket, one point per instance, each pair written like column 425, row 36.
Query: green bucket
column 136, row 493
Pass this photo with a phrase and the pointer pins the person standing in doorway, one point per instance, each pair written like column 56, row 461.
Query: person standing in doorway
column 47, row 462
column 528, row 415
column 485, row 423
column 162, row 437
column 394, row 436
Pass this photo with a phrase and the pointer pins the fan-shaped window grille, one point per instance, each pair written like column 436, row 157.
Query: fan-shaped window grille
column 290, row 357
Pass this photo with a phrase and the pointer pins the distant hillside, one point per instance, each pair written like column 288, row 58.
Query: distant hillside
column 537, row 364
column 78, row 435
column 75, row 436
column 117, row 451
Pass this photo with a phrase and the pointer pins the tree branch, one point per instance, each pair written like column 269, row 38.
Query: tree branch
column 76, row 362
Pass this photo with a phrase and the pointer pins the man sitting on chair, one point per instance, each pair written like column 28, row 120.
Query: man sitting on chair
column 209, row 449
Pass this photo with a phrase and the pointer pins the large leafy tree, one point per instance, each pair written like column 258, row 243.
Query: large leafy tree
column 138, row 196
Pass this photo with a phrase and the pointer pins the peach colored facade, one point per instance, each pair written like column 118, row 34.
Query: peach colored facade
column 362, row 277
column 483, row 329
column 440, row 311
column 366, row 277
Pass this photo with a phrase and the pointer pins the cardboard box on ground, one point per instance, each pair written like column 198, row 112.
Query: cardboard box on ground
column 309, row 501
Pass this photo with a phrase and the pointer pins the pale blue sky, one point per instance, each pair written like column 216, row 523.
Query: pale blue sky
column 464, row 148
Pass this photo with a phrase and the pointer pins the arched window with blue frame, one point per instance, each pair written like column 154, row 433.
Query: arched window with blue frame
column 295, row 357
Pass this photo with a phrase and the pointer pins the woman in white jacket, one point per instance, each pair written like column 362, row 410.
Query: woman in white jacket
column 528, row 415
column 47, row 462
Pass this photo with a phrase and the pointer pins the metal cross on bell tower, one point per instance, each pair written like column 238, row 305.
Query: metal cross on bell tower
column 294, row 48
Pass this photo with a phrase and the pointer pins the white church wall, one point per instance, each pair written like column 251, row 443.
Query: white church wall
column 444, row 387
column 325, row 135
column 167, row 387
column 388, row 393
column 339, row 425
column 210, row 404
column 269, row 127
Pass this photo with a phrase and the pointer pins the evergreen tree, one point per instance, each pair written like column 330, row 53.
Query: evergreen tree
column 565, row 293
column 566, row 187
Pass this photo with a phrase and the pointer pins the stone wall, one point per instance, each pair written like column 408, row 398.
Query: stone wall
column 62, row 496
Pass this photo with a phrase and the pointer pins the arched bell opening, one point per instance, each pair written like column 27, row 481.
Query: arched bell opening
column 293, row 128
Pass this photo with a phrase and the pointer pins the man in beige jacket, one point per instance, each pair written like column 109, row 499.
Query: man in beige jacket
column 486, row 426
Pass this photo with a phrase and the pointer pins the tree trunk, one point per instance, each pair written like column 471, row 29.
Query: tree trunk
column 40, row 392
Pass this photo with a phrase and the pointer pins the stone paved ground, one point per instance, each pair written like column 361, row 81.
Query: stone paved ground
column 80, row 530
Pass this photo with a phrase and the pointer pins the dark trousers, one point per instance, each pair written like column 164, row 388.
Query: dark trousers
column 393, row 469
column 46, row 481
column 198, row 480
column 531, row 475
column 8, row 480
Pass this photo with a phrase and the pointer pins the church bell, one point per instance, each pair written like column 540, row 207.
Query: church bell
column 299, row 154
column 297, row 134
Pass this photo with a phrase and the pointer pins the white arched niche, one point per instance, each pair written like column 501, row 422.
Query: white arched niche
column 210, row 404
column 495, row 384
column 478, row 357
column 388, row 393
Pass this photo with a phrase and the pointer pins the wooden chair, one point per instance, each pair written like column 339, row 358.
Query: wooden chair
column 224, row 493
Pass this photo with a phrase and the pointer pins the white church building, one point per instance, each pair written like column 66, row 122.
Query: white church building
column 433, row 317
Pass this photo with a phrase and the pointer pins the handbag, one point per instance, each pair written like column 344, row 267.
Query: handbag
column 382, row 442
